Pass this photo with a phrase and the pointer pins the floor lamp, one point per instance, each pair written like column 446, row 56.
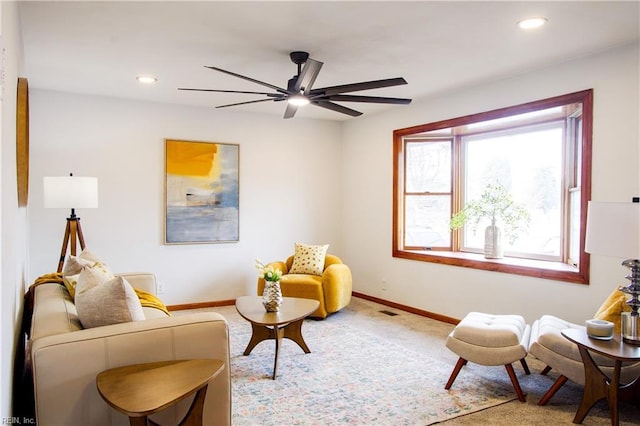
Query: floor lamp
column 613, row 229
column 70, row 192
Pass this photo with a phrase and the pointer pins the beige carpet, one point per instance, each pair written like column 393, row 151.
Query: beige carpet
column 428, row 336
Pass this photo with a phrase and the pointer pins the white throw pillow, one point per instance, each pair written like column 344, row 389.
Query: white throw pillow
column 103, row 301
column 76, row 264
column 308, row 259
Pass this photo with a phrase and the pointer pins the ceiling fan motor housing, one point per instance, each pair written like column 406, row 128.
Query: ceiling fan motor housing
column 299, row 58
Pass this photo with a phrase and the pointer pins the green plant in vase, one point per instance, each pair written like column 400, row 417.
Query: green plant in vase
column 497, row 205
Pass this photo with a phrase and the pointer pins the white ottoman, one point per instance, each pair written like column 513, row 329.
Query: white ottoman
column 490, row 340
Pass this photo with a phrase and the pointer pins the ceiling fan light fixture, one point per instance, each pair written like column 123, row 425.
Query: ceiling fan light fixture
column 298, row 100
column 146, row 79
column 531, row 23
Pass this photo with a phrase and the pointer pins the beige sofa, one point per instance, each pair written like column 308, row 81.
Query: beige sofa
column 65, row 358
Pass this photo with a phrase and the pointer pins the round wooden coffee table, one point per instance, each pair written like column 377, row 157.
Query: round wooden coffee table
column 143, row 389
column 287, row 323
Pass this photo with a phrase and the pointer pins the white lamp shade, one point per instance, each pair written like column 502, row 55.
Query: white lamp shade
column 613, row 229
column 70, row 192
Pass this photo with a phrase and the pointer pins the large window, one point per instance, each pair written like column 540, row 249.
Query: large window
column 538, row 154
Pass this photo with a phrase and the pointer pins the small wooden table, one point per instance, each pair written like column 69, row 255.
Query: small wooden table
column 287, row 323
column 144, row 389
column 597, row 385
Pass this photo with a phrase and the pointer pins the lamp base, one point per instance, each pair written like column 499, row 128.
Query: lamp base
column 72, row 231
column 630, row 327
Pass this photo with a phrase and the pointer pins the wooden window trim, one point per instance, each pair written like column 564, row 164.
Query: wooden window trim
column 527, row 267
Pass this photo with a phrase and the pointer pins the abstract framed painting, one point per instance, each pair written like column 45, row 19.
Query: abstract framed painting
column 202, row 192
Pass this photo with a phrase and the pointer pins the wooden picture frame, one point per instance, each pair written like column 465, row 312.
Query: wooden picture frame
column 201, row 192
column 22, row 141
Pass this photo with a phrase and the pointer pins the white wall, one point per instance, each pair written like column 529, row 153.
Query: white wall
column 454, row 291
column 13, row 220
column 290, row 188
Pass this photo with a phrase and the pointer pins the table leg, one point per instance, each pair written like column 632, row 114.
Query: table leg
column 194, row 415
column 293, row 331
column 278, row 333
column 258, row 334
column 597, row 386
column 631, row 391
column 192, row 418
column 138, row 421
column 612, row 395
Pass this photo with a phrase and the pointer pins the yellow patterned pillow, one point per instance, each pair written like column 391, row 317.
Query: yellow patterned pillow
column 612, row 308
column 309, row 259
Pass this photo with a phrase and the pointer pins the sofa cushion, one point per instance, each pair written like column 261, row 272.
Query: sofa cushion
column 101, row 300
column 308, row 259
column 53, row 312
column 490, row 331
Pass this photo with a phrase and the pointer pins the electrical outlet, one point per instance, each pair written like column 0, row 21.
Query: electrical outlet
column 160, row 287
column 384, row 285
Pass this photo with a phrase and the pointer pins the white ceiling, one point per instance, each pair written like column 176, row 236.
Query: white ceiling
column 100, row 47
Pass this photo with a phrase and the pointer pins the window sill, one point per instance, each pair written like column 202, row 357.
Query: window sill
column 511, row 265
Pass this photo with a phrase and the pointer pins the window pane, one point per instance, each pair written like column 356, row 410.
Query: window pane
column 428, row 166
column 427, row 221
column 528, row 163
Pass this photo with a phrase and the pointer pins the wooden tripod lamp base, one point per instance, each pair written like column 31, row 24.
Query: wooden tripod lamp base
column 70, row 192
column 73, row 234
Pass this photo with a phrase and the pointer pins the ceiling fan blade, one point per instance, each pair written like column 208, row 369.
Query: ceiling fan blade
column 337, row 108
column 307, row 76
column 290, row 111
column 231, row 91
column 245, row 103
column 354, row 87
column 276, row 88
column 369, row 99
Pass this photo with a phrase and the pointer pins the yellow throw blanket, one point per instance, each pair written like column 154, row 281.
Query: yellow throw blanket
column 54, row 277
column 146, row 299
column 151, row 301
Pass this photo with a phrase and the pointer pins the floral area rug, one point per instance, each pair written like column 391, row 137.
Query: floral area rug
column 350, row 377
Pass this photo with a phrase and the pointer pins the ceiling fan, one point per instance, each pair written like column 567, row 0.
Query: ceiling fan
column 299, row 89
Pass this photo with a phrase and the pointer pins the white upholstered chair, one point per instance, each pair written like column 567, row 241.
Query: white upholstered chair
column 548, row 345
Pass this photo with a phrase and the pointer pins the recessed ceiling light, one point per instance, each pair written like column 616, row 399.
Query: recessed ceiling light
column 146, row 79
column 530, row 23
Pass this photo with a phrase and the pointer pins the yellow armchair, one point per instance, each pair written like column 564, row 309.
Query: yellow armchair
column 332, row 289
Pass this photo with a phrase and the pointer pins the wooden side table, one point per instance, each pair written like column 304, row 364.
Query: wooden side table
column 598, row 385
column 144, row 389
